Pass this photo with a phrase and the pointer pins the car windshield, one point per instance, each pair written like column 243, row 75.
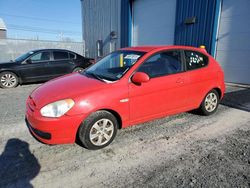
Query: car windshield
column 114, row 66
column 24, row 56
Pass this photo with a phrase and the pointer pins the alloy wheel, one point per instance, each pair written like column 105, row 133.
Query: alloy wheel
column 79, row 70
column 101, row 132
column 211, row 102
column 8, row 80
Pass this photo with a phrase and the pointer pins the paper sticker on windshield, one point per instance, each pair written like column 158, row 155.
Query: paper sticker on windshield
column 131, row 57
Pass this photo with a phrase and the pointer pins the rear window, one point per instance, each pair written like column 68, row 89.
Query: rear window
column 195, row 60
column 60, row 55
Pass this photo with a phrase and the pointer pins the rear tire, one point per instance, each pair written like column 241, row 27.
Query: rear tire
column 8, row 80
column 98, row 130
column 78, row 69
column 210, row 103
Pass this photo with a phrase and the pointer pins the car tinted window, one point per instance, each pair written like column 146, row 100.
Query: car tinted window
column 60, row 55
column 161, row 64
column 41, row 56
column 115, row 65
column 24, row 56
column 195, row 60
column 72, row 56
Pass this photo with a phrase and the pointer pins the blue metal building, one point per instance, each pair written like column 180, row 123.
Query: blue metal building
column 223, row 26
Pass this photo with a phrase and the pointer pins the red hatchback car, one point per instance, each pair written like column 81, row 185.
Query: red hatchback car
column 127, row 87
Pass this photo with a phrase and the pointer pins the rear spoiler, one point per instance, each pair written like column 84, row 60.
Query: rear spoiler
column 203, row 47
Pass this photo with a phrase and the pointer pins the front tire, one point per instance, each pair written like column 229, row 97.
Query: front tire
column 8, row 80
column 210, row 103
column 98, row 130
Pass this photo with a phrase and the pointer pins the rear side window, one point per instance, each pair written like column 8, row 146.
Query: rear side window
column 60, row 55
column 195, row 60
column 72, row 56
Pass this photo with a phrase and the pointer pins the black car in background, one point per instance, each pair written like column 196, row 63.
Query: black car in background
column 41, row 65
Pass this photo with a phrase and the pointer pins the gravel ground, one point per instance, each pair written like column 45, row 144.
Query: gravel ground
column 185, row 150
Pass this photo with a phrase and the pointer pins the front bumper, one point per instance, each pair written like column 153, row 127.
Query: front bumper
column 61, row 130
column 35, row 132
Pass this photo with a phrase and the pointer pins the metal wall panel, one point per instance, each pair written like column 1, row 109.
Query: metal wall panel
column 100, row 17
column 233, row 46
column 201, row 32
column 126, row 23
column 153, row 22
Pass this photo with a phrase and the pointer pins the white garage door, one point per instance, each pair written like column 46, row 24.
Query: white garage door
column 153, row 22
column 233, row 47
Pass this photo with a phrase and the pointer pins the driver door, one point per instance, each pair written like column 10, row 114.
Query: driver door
column 35, row 68
column 164, row 93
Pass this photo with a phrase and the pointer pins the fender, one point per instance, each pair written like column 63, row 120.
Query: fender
column 20, row 80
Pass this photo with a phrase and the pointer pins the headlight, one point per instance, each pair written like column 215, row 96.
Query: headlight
column 58, row 108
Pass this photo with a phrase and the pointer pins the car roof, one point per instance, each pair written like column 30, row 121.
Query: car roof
column 150, row 48
column 140, row 48
column 50, row 49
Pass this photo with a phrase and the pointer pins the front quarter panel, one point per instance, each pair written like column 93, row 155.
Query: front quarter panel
column 12, row 67
column 114, row 98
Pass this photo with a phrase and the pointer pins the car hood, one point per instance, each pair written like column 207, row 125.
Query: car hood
column 69, row 86
column 7, row 64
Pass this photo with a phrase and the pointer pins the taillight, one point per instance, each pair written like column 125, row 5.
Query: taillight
column 92, row 61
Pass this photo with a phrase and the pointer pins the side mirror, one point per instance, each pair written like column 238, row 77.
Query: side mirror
column 139, row 78
column 28, row 61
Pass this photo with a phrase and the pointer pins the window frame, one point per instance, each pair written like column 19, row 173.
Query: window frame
column 72, row 54
column 185, row 62
column 182, row 54
column 35, row 62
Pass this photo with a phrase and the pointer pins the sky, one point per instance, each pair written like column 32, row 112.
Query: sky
column 42, row 19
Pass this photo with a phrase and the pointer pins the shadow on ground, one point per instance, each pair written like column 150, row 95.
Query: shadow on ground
column 239, row 99
column 18, row 166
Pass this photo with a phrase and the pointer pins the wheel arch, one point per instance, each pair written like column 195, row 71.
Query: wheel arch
column 218, row 91
column 201, row 109
column 113, row 112
column 14, row 72
column 78, row 66
column 116, row 114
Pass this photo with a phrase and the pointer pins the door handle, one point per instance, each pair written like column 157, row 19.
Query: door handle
column 180, row 81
